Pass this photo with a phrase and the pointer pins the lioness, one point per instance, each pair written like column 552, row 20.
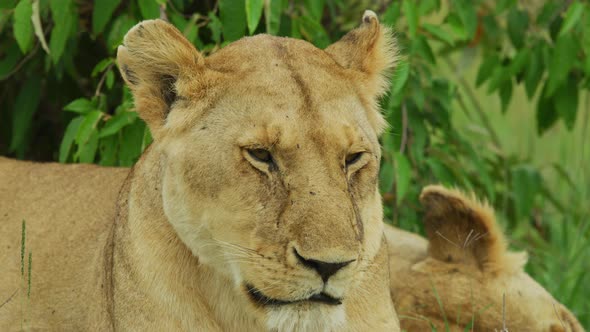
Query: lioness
column 464, row 276
column 256, row 207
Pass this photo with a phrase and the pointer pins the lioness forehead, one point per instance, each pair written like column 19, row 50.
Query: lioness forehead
column 275, row 83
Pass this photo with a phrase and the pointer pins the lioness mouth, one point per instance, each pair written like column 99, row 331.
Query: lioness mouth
column 259, row 298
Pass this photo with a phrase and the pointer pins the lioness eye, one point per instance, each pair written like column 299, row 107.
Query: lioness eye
column 352, row 158
column 261, row 155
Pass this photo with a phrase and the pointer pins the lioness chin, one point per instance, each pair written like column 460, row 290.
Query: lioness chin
column 256, row 207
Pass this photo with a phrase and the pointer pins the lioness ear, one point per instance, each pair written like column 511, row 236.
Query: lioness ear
column 153, row 57
column 461, row 229
column 371, row 51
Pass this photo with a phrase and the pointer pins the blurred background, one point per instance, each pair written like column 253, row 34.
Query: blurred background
column 489, row 96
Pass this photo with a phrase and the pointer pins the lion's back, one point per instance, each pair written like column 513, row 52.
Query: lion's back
column 68, row 210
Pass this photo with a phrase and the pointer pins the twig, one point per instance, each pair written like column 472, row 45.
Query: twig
column 101, row 82
column 21, row 63
column 163, row 15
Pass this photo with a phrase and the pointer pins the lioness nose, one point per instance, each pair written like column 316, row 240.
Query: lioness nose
column 325, row 269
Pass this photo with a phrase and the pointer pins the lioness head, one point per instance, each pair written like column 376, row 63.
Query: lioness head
column 269, row 158
column 468, row 278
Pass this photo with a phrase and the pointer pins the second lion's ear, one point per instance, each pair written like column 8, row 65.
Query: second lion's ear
column 369, row 51
column 153, row 58
column 462, row 230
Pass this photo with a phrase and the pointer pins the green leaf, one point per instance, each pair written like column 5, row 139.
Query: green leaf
column 215, row 26
column 130, row 143
column 147, row 138
column 546, row 112
column 108, row 148
column 253, row 14
column 421, row 47
column 87, row 151
column 117, row 122
column 586, row 35
column 272, row 15
column 119, row 28
column 526, row 183
column 63, row 13
column 110, row 79
column 548, row 11
column 518, row 22
column 102, row 13
column 439, row 33
column 499, row 76
column 149, row 9
column 26, row 105
column 386, row 177
column 392, row 13
column 502, row 5
column 9, row 60
column 489, row 64
column 562, row 60
column 428, row 6
column 454, row 22
column 440, row 171
column 313, row 31
column 7, row 4
column 403, row 176
column 491, row 30
column 566, row 101
column 555, row 27
column 87, row 127
column 315, row 9
column 402, row 72
column 518, row 62
column 68, row 138
column 233, row 18
column 533, row 72
column 411, row 14
column 23, row 26
column 505, row 93
column 80, row 105
column 573, row 15
column 101, row 66
column 466, row 11
column 191, row 30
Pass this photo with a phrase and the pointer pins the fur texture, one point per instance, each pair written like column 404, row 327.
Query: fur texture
column 464, row 270
column 202, row 225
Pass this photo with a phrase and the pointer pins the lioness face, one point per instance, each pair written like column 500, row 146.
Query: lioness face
column 270, row 159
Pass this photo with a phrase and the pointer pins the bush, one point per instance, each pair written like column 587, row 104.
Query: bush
column 60, row 55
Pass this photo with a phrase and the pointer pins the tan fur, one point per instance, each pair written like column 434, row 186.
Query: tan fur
column 463, row 271
column 198, row 218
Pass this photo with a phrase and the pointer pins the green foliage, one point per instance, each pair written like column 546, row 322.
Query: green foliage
column 23, row 27
column 72, row 87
